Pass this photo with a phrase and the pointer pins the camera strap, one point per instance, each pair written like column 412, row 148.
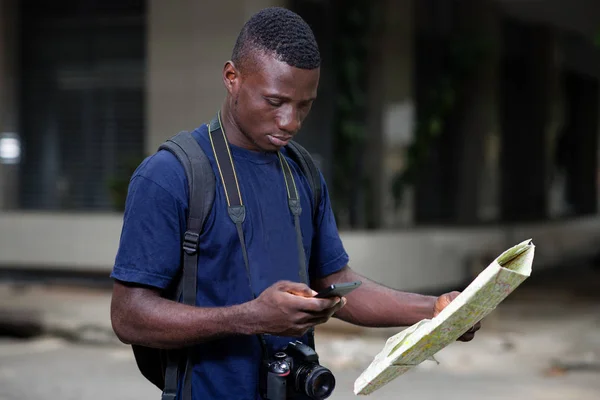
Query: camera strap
column 237, row 210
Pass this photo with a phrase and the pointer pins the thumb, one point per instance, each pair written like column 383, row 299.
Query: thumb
column 443, row 301
column 298, row 289
column 452, row 295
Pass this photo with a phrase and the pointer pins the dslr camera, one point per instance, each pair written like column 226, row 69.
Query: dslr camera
column 295, row 373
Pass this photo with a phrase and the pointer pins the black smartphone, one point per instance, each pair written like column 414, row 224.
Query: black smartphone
column 338, row 290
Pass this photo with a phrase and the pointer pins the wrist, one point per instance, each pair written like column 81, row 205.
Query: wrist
column 247, row 319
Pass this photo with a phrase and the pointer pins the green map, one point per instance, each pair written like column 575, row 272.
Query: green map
column 421, row 341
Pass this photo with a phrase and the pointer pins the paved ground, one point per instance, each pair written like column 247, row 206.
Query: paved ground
column 50, row 368
column 542, row 343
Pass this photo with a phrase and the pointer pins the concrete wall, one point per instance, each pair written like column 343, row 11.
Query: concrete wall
column 410, row 260
column 189, row 42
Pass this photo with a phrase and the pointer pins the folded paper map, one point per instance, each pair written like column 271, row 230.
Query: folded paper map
column 422, row 340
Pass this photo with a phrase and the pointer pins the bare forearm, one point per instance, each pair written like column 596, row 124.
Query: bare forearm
column 375, row 305
column 149, row 320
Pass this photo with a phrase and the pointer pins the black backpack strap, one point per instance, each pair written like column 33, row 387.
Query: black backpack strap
column 296, row 210
column 309, row 168
column 201, row 183
column 237, row 210
column 311, row 172
column 233, row 195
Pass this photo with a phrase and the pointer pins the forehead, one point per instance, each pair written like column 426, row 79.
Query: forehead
column 276, row 77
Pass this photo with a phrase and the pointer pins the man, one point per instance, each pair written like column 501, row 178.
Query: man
column 271, row 83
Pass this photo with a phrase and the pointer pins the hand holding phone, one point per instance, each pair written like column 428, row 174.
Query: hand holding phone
column 338, row 290
column 289, row 309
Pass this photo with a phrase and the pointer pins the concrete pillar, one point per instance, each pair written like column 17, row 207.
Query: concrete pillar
column 8, row 97
column 189, row 41
column 391, row 109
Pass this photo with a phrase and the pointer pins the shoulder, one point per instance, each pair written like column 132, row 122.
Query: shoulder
column 164, row 169
column 306, row 165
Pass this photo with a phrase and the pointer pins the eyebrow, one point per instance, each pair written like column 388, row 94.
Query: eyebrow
column 286, row 98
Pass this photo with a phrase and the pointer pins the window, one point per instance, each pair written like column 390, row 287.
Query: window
column 81, row 100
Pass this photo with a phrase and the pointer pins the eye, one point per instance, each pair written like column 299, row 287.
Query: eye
column 274, row 102
column 306, row 104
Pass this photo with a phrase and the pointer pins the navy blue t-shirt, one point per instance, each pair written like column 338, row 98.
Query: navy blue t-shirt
column 151, row 239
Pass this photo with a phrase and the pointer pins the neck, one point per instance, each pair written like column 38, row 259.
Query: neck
column 234, row 134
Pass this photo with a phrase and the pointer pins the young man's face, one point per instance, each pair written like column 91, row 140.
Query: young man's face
column 271, row 100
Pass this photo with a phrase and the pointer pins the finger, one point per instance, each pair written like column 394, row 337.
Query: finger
column 325, row 314
column 338, row 306
column 296, row 288
column 316, row 320
column 475, row 328
column 467, row 337
column 308, row 306
column 314, row 305
column 452, row 295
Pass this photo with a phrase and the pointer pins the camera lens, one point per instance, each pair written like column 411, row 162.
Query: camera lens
column 317, row 381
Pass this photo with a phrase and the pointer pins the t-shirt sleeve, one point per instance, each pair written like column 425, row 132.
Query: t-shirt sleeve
column 328, row 254
column 150, row 244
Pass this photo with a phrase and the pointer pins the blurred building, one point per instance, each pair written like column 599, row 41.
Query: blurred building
column 447, row 130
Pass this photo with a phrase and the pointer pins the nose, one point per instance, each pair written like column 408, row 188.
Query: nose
column 289, row 120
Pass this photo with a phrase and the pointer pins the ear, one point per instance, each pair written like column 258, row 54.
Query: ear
column 231, row 78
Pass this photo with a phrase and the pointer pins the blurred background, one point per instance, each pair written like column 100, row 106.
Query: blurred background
column 447, row 130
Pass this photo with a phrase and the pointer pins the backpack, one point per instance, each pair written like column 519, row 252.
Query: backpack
column 162, row 367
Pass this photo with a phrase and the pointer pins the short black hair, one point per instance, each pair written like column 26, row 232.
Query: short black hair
column 278, row 31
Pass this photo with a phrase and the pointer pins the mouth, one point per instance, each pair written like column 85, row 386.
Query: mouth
column 279, row 141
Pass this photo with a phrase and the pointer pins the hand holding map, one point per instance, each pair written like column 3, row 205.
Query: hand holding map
column 422, row 340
